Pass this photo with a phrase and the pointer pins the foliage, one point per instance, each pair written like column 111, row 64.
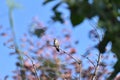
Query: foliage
column 109, row 20
column 38, row 59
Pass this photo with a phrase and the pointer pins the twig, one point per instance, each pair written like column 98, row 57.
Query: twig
column 99, row 58
column 80, row 74
column 33, row 66
column 89, row 60
column 97, row 66
column 76, row 60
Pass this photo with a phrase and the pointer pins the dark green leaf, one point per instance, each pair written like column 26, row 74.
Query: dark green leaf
column 56, row 6
column 47, row 1
column 39, row 32
column 57, row 17
column 76, row 19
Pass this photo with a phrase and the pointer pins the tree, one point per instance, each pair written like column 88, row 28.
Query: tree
column 109, row 20
column 34, row 64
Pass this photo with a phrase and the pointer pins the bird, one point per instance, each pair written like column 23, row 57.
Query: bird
column 56, row 44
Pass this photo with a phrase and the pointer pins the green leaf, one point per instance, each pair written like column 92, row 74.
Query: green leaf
column 76, row 16
column 76, row 19
column 39, row 32
column 57, row 17
column 57, row 14
column 56, row 6
column 103, row 43
column 47, row 1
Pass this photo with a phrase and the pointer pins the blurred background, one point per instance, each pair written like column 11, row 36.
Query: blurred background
column 84, row 29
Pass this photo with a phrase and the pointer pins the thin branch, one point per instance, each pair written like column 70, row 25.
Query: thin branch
column 96, row 69
column 99, row 58
column 80, row 74
column 76, row 60
column 35, row 70
column 89, row 60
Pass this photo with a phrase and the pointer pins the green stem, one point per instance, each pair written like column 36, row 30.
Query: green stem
column 15, row 43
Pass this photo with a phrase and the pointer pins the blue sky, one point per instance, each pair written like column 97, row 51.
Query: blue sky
column 22, row 18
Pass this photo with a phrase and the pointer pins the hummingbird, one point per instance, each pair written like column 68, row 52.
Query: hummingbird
column 56, row 45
